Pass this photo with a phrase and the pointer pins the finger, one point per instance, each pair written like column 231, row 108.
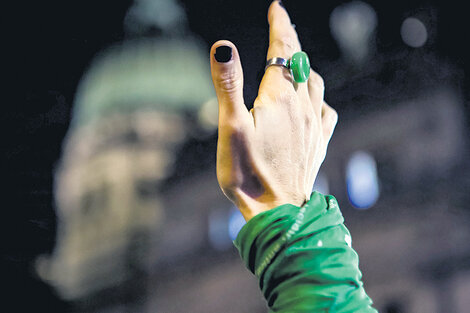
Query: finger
column 283, row 42
column 316, row 89
column 329, row 121
column 227, row 77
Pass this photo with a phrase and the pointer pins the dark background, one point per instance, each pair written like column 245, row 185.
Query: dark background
column 47, row 46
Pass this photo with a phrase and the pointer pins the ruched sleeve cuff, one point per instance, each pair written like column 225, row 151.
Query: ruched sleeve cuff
column 303, row 258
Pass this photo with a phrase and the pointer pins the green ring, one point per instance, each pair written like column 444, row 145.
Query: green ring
column 299, row 65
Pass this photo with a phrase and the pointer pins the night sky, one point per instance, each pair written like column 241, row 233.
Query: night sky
column 47, row 46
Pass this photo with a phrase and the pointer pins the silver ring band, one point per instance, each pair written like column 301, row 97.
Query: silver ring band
column 277, row 61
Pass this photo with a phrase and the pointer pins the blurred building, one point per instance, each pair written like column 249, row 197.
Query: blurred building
column 132, row 112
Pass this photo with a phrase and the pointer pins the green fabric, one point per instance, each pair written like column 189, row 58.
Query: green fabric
column 303, row 258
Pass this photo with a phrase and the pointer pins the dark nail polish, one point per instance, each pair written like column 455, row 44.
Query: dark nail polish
column 223, row 54
column 281, row 4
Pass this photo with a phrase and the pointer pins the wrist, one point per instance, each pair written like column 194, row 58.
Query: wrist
column 250, row 207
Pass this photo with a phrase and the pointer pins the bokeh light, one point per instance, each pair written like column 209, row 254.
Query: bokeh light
column 414, row 32
column 362, row 181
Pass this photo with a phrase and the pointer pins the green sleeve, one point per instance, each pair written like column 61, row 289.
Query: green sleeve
column 303, row 258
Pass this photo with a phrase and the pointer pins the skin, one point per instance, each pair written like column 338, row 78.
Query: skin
column 270, row 155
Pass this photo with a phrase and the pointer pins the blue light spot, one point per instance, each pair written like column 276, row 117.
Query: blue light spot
column 362, row 181
column 235, row 223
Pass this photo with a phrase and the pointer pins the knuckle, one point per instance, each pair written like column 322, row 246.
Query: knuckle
column 317, row 80
column 285, row 42
column 308, row 119
column 287, row 98
column 264, row 98
column 332, row 115
column 276, row 96
column 229, row 81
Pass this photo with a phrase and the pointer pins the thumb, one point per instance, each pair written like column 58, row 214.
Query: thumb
column 227, row 76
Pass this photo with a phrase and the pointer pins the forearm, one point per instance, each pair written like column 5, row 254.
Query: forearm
column 303, row 258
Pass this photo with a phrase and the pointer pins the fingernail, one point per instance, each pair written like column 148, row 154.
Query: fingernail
column 281, row 4
column 223, row 54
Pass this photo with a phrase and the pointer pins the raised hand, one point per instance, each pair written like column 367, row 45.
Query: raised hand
column 269, row 155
